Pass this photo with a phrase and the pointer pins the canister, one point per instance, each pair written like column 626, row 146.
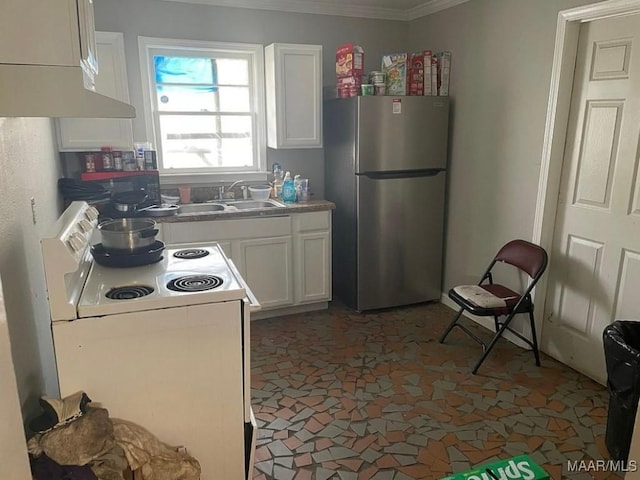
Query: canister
column 380, row 89
column 377, row 78
column 367, row 89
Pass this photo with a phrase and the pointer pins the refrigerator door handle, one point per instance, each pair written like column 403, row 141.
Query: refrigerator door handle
column 428, row 172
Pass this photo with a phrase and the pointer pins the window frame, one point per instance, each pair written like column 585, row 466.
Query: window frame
column 255, row 54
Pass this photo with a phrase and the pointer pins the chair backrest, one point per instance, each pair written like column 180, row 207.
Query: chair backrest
column 524, row 255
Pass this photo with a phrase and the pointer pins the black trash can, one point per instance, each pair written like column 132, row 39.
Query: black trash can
column 622, row 354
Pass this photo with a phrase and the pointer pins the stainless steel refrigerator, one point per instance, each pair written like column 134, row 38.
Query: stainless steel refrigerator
column 385, row 169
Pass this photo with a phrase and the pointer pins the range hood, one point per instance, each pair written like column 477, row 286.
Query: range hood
column 54, row 91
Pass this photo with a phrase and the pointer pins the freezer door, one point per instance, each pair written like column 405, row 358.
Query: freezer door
column 399, row 239
column 401, row 133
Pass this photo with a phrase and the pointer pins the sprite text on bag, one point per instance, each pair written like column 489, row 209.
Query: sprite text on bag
column 513, row 470
column 517, row 468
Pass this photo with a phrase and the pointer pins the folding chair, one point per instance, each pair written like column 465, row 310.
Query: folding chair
column 495, row 300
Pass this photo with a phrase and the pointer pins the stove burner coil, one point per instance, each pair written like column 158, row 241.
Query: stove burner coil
column 194, row 283
column 190, row 253
column 129, row 292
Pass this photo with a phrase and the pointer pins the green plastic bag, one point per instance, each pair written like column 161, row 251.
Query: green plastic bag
column 521, row 467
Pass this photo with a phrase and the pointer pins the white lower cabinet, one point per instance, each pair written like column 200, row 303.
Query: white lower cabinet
column 285, row 260
column 265, row 264
column 312, row 257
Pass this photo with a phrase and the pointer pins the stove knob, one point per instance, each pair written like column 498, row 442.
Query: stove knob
column 76, row 242
column 91, row 213
column 85, row 225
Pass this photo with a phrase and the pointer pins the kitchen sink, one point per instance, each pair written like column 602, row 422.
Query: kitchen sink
column 254, row 204
column 201, row 208
column 229, row 206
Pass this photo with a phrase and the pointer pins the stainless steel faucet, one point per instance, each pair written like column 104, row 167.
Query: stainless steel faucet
column 221, row 192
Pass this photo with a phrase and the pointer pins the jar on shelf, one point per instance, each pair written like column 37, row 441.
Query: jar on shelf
column 117, row 160
column 107, row 159
column 89, row 163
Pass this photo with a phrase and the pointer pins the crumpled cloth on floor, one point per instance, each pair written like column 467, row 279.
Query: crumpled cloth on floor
column 108, row 446
column 43, row 468
column 79, row 442
column 153, row 459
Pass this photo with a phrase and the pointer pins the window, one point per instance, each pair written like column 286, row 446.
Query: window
column 204, row 107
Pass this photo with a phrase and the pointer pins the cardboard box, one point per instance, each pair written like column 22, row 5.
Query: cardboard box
column 428, row 55
column 394, row 66
column 521, row 467
column 434, row 76
column 349, row 82
column 347, row 92
column 349, row 61
column 415, row 77
column 444, row 68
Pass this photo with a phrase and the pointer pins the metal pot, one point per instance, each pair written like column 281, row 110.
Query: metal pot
column 128, row 234
column 128, row 201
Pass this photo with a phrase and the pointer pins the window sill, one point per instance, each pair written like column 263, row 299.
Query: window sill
column 174, row 179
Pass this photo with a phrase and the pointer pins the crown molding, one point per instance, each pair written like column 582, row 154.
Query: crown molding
column 430, row 7
column 329, row 8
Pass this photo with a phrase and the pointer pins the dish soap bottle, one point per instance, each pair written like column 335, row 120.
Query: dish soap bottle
column 277, row 180
column 288, row 189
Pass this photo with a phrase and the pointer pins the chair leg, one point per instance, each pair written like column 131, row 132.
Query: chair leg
column 534, row 339
column 451, row 325
column 495, row 321
column 493, row 342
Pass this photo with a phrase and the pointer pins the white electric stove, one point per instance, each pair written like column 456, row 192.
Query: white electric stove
column 165, row 345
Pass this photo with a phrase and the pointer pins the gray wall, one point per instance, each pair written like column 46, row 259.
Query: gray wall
column 29, row 168
column 202, row 22
column 502, row 54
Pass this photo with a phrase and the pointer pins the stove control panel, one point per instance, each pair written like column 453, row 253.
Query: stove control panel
column 65, row 251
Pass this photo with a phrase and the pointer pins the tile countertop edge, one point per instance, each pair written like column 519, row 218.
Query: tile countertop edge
column 312, row 206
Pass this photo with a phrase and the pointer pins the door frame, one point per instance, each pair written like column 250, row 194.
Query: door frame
column 555, row 132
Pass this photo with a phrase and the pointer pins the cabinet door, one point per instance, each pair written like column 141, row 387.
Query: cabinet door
column 265, row 264
column 312, row 260
column 76, row 134
column 33, row 32
column 294, row 95
column 88, row 47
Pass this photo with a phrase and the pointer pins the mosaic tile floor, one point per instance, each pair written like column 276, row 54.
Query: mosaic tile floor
column 347, row 396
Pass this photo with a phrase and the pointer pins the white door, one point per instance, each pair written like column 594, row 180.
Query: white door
column 594, row 275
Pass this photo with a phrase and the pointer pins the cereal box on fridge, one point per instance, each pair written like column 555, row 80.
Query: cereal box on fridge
column 444, row 68
column 415, row 77
column 349, row 61
column 394, row 66
column 428, row 55
column 434, row 75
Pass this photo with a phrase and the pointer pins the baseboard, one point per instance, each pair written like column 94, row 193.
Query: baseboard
column 278, row 312
column 486, row 322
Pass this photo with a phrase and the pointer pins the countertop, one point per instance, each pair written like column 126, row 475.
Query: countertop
column 311, row 206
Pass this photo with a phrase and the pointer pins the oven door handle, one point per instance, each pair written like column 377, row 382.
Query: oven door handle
column 251, row 299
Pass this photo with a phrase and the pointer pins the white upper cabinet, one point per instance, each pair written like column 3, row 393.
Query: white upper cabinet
column 294, row 95
column 49, row 60
column 51, row 33
column 75, row 134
